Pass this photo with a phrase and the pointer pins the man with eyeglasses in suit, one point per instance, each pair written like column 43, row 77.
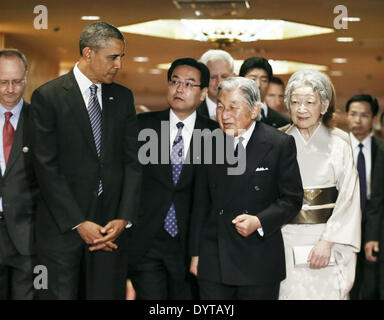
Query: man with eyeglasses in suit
column 158, row 250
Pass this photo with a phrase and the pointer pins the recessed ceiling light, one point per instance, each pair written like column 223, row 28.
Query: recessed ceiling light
column 339, row 60
column 345, row 39
column 90, row 18
column 198, row 13
column 155, row 71
column 140, row 59
column 351, row 19
column 336, row 73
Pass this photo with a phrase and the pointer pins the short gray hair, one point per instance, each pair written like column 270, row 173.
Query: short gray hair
column 10, row 52
column 96, row 34
column 317, row 80
column 249, row 89
column 217, row 55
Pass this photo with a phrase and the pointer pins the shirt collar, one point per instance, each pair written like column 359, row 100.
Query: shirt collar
column 246, row 135
column 189, row 122
column 15, row 111
column 211, row 105
column 83, row 82
column 355, row 142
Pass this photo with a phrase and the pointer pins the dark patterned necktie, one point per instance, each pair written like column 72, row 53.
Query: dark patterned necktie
column 94, row 112
column 177, row 160
column 8, row 135
column 362, row 177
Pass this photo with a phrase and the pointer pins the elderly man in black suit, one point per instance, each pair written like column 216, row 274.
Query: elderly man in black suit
column 158, row 250
column 236, row 243
column 259, row 70
column 18, row 187
column 86, row 164
column 361, row 111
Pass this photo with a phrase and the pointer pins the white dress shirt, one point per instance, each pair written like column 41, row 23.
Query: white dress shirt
column 367, row 143
column 14, row 120
column 189, row 124
column 84, row 84
column 211, row 105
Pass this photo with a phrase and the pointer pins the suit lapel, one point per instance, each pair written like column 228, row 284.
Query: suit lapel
column 17, row 144
column 108, row 113
column 257, row 148
column 78, row 108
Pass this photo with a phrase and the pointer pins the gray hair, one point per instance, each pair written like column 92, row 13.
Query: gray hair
column 249, row 89
column 9, row 52
column 317, row 80
column 96, row 34
column 217, row 55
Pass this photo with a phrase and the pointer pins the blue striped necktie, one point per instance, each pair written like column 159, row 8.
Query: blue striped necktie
column 94, row 112
column 177, row 160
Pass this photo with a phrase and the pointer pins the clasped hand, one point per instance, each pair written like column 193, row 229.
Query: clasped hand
column 99, row 237
column 320, row 255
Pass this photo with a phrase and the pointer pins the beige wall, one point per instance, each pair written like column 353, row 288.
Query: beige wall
column 42, row 68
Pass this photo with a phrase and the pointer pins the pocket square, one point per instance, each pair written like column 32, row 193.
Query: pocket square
column 262, row 169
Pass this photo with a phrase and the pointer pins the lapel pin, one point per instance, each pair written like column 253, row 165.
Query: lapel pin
column 25, row 149
column 110, row 98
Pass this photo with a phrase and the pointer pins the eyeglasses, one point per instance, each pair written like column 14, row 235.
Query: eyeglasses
column 186, row 85
column 13, row 83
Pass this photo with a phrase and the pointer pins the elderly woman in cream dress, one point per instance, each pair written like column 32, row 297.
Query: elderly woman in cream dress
column 321, row 242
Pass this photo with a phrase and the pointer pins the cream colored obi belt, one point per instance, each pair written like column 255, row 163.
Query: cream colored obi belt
column 317, row 206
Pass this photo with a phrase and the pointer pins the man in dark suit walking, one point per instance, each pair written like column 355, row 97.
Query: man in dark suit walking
column 236, row 243
column 86, row 163
column 361, row 110
column 259, row 70
column 18, row 187
column 158, row 245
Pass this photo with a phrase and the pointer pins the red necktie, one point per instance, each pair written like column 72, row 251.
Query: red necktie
column 8, row 134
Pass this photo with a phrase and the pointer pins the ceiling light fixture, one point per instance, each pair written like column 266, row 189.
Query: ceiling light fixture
column 224, row 30
column 90, row 18
column 339, row 60
column 345, row 39
column 351, row 19
column 140, row 59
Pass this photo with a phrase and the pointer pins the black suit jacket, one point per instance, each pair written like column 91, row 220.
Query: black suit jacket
column 274, row 196
column 18, row 188
column 373, row 215
column 275, row 119
column 159, row 192
column 202, row 109
column 67, row 166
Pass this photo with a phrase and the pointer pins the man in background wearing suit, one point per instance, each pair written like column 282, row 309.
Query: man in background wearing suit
column 361, row 110
column 158, row 245
column 259, row 70
column 18, row 187
column 86, row 164
column 236, row 243
column 221, row 66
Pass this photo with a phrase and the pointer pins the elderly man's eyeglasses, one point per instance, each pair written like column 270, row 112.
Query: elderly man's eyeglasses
column 186, row 85
column 13, row 83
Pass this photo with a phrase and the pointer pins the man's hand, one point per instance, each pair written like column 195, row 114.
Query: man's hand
column 246, row 224
column 110, row 231
column 369, row 248
column 194, row 265
column 89, row 231
column 320, row 255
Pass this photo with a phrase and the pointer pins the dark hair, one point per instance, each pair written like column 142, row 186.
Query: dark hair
column 204, row 71
column 256, row 63
column 9, row 52
column 96, row 34
column 276, row 80
column 364, row 98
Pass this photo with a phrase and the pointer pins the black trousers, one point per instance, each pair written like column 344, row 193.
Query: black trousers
column 77, row 273
column 162, row 273
column 217, row 291
column 16, row 270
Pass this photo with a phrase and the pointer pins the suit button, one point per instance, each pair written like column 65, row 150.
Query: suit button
column 221, row 212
